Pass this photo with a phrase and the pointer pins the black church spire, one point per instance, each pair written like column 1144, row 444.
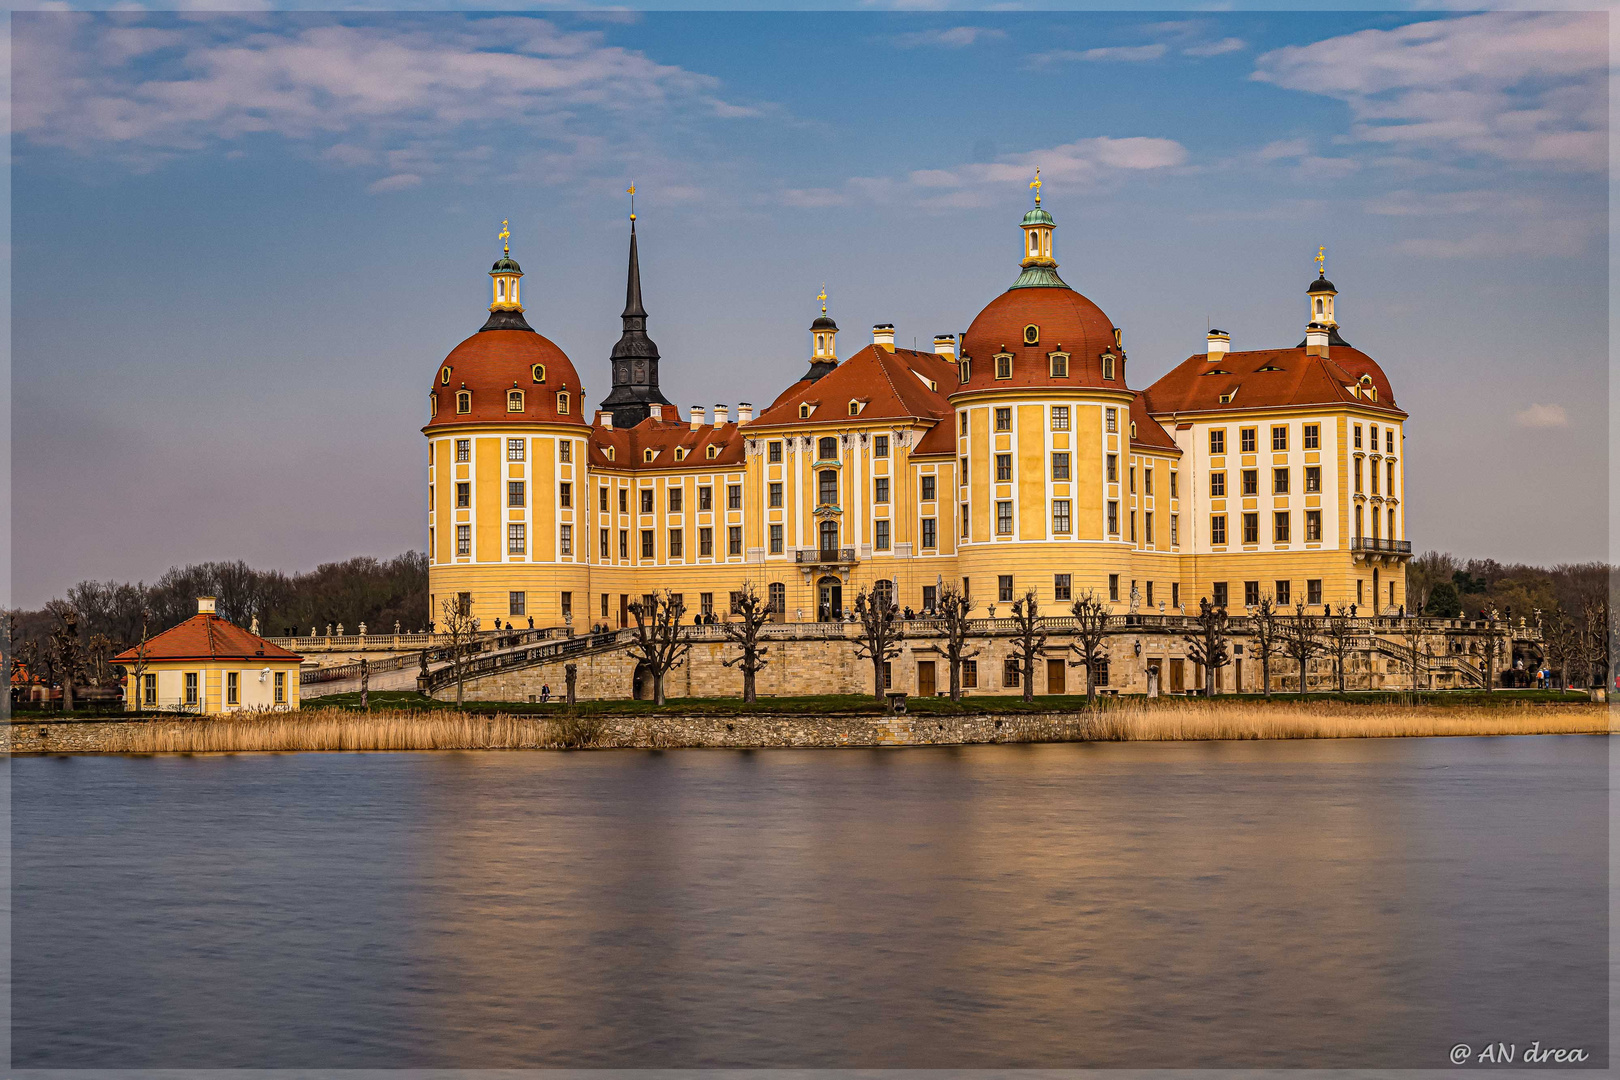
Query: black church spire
column 635, row 357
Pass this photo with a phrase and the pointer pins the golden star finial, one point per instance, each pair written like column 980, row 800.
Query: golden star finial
column 506, row 235
column 1321, row 261
column 822, row 296
column 1035, row 184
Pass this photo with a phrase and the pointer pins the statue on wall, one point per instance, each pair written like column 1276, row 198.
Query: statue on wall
column 1136, row 598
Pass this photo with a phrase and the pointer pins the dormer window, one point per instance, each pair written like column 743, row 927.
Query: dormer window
column 1032, row 334
column 648, row 455
column 1108, row 366
column 1003, row 365
column 1133, row 430
column 514, row 401
column 854, row 407
column 714, row 452
column 562, row 404
column 610, row 453
column 964, row 369
column 464, row 401
column 433, row 405
column 1060, row 365
column 538, row 372
column 804, row 411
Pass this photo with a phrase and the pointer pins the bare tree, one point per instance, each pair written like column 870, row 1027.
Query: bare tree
column 953, row 607
column 659, row 644
column 1208, row 646
column 755, row 612
column 1339, row 630
column 459, row 628
column 1028, row 638
column 69, row 656
column 137, row 669
column 1090, row 637
column 881, row 633
column 1264, row 623
column 1593, row 625
column 1416, row 659
column 1301, row 641
column 1490, row 650
column 1561, row 643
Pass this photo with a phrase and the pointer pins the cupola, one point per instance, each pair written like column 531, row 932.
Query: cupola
column 823, row 342
column 1040, row 268
column 504, row 276
column 1321, row 293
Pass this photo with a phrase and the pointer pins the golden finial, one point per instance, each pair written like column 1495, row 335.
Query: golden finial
column 822, row 296
column 1035, row 184
column 1321, row 261
column 631, row 191
column 506, row 235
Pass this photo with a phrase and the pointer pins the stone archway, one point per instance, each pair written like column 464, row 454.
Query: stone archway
column 641, row 682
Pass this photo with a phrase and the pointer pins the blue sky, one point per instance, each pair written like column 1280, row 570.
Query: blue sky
column 241, row 244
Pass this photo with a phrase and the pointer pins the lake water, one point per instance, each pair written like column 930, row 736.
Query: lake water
column 1340, row 903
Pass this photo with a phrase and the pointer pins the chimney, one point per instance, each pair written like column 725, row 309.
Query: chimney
column 655, row 411
column 205, row 605
column 696, row 414
column 1316, row 339
column 722, row 415
column 1220, row 343
column 745, row 412
column 945, row 345
column 883, row 334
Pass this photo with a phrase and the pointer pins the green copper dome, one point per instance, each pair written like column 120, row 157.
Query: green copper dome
column 506, row 265
column 1038, row 216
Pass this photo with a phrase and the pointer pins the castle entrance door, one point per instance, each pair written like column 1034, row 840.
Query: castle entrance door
column 831, row 607
column 1178, row 676
column 925, row 678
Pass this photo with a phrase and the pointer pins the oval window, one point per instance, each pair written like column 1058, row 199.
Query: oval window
column 539, row 372
column 1032, row 335
column 444, row 375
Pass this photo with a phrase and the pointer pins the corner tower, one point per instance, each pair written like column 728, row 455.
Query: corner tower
column 635, row 357
column 824, row 343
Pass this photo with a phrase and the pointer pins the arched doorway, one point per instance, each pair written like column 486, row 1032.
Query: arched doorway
column 830, row 599
column 641, row 686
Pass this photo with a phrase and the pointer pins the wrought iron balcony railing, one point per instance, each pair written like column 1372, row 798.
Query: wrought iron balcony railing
column 824, row 555
column 1374, row 543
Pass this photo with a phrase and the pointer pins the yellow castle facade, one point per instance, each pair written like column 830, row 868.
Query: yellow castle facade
column 1018, row 459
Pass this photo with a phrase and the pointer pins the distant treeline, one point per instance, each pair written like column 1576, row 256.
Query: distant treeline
column 1443, row 585
column 108, row 616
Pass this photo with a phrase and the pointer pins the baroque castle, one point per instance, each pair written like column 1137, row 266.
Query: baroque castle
column 1021, row 460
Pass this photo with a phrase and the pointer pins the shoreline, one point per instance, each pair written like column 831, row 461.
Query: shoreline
column 339, row 730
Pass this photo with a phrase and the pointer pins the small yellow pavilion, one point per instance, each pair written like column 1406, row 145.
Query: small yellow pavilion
column 209, row 665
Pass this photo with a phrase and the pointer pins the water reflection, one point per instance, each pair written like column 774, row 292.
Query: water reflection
column 1333, row 904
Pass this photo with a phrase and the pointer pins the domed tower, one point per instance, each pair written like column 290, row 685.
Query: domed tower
column 506, row 438
column 823, row 343
column 1044, row 430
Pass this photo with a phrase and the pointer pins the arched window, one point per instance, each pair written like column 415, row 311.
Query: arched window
column 854, row 407
column 500, row 288
column 714, row 451
column 883, row 593
column 965, row 367
column 514, row 401
column 646, row 455
column 1319, row 305
column 538, row 372
column 464, row 401
column 776, row 597
column 828, row 535
column 433, row 405
column 1133, row 429
column 562, row 404
column 827, row 449
column 827, row 489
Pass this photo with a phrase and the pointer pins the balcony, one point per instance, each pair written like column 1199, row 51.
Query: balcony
column 1372, row 545
column 825, row 556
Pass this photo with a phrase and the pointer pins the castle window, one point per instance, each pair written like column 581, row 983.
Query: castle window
column 1004, row 518
column 804, row 410
column 516, row 541
column 1060, row 365
column 433, row 405
column 1004, row 418
column 1319, row 305
column 1003, row 366
column 463, row 449
column 1246, row 440
column 538, row 372
column 444, row 375
column 1217, row 529
column 514, row 401
column 680, row 453
column 464, row 401
column 1032, row 334
column 1108, row 366
column 827, row 449
column 1279, row 438
column 827, row 490
column 714, row 452
column 565, row 450
column 930, row 488
column 1133, row 429
column 880, row 446
column 562, row 404
column 964, row 369
column 1217, row 441
column 463, row 539
column 610, row 454
column 514, row 493
column 880, row 535
column 776, row 592
column 646, row 455
column 854, row 407
column 514, row 449
column 1110, row 419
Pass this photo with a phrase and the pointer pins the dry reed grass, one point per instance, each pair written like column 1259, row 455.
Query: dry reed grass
column 343, row 730
column 1199, row 720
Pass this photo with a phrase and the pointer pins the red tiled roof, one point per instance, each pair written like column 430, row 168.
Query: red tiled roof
column 887, row 381
column 939, row 441
column 208, row 637
column 1068, row 322
column 663, row 436
column 492, row 362
column 1149, row 432
column 1269, row 378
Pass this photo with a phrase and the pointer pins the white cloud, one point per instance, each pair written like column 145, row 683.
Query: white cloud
column 1283, row 149
column 1523, row 87
column 1127, row 53
column 1541, row 416
column 1483, row 223
column 957, row 37
column 397, row 182
column 1216, row 48
column 357, row 89
column 1080, row 165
